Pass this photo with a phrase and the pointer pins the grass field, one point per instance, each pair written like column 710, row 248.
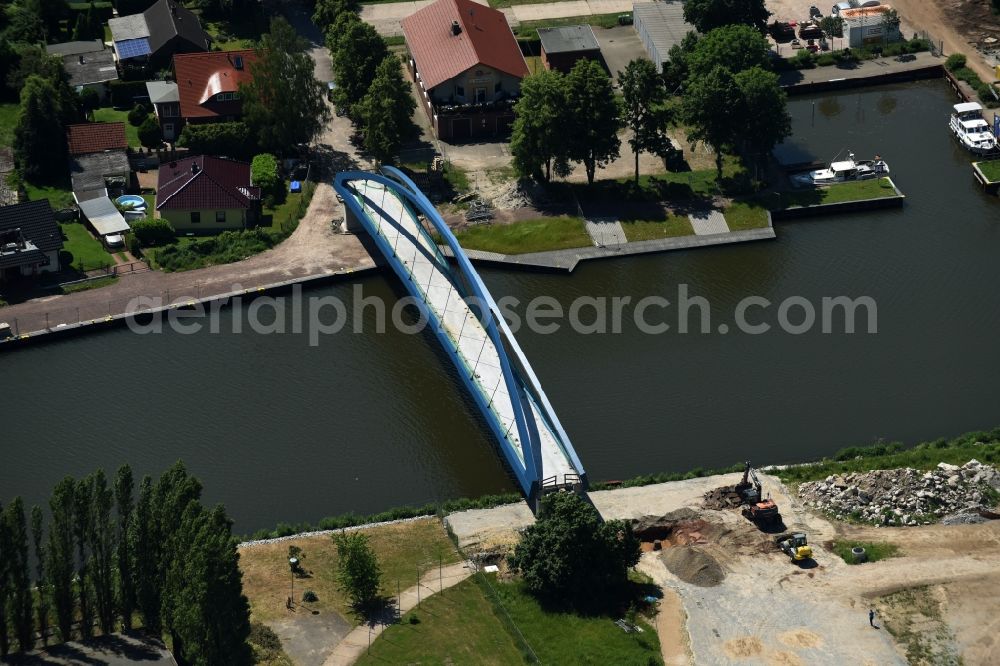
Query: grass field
column 8, row 120
column 990, row 169
column 673, row 225
column 455, row 627
column 565, row 638
column 874, row 551
column 284, row 212
column 60, row 196
column 84, row 251
column 401, row 549
column 742, row 216
column 860, row 190
column 90, row 284
column 537, row 235
column 527, row 29
column 108, row 115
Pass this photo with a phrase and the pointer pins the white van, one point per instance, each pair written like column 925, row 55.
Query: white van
column 839, row 7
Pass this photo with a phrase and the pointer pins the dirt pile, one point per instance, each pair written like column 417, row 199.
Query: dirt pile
column 677, row 528
column 722, row 498
column 693, row 565
column 906, row 496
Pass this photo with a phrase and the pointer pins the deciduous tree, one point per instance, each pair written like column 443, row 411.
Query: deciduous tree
column 146, row 553
column 734, row 47
column 124, row 503
column 675, row 70
column 102, row 547
column 358, row 570
column 59, row 555
column 763, row 120
column 538, row 138
column 5, row 560
column 328, row 11
column 645, row 110
column 709, row 107
column 569, row 557
column 21, row 599
column 707, row 15
column 283, row 105
column 356, row 50
column 150, row 135
column 592, row 119
column 83, row 523
column 41, row 583
column 386, row 110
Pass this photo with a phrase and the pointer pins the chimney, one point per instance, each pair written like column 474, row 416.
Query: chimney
column 455, row 28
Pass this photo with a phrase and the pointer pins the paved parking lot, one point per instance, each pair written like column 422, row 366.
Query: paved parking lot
column 798, row 10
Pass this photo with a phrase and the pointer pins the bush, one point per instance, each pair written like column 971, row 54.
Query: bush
column 137, row 115
column 152, row 232
column 264, row 174
column 132, row 243
column 227, row 247
column 804, row 59
column 223, row 139
column 309, row 597
column 149, row 133
column 955, row 61
column 826, row 59
column 358, row 570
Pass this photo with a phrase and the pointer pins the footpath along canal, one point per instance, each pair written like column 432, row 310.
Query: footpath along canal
column 282, row 431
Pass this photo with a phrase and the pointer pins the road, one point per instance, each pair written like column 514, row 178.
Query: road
column 386, row 18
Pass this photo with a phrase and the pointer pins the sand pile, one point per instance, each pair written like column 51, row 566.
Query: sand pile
column 693, row 565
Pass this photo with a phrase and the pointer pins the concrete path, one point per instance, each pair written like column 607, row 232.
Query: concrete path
column 606, row 231
column 356, row 643
column 708, row 222
column 386, row 18
column 865, row 69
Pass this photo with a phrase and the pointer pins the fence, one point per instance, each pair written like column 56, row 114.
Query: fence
column 937, row 45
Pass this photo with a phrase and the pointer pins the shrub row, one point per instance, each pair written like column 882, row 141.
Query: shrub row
column 984, row 90
column 804, row 59
column 227, row 247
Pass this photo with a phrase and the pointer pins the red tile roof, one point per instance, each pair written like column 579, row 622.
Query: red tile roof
column 485, row 39
column 95, row 138
column 205, row 183
column 201, row 76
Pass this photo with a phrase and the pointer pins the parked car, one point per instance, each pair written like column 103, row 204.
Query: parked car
column 114, row 240
column 815, row 13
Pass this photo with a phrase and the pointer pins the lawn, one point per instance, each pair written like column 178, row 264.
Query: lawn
column 566, row 638
column 528, row 29
column 285, row 212
column 673, row 225
column 84, row 252
column 990, row 169
column 859, row 190
column 108, row 115
column 534, row 64
column 537, row 235
column 402, row 549
column 741, row 216
column 90, row 284
column 8, row 121
column 60, row 196
column 235, row 35
column 457, row 626
column 875, row 551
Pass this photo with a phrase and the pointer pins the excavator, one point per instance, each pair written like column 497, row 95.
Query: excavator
column 795, row 546
column 763, row 511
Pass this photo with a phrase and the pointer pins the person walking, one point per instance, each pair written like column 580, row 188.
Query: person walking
column 871, row 617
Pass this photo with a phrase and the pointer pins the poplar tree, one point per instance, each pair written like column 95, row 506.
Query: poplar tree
column 37, row 532
column 386, row 111
column 59, row 555
column 145, row 552
column 102, row 547
column 123, row 551
column 21, row 602
column 83, row 523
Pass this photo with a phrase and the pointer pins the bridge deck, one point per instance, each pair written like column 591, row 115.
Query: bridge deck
column 431, row 279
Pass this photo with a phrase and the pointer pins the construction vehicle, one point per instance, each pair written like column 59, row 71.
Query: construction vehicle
column 761, row 510
column 795, row 546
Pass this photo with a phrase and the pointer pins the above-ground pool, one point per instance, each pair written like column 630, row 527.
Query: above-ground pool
column 138, row 203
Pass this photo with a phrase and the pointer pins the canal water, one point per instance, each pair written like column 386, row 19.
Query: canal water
column 281, row 431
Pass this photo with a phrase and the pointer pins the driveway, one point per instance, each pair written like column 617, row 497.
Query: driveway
column 619, row 46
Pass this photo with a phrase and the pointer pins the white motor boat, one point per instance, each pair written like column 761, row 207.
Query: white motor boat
column 971, row 129
column 844, row 171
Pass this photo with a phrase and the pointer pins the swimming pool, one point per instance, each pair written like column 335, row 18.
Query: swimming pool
column 137, row 202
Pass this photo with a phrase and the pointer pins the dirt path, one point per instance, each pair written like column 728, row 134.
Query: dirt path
column 936, row 18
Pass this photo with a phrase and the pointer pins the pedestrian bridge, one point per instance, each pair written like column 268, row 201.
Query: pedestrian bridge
column 468, row 324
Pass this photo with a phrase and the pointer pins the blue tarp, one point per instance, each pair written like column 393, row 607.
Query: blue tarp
column 296, row 186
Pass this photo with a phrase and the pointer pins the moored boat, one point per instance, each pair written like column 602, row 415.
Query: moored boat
column 971, row 129
column 844, row 171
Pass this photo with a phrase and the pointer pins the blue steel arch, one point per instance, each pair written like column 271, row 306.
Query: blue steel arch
column 527, row 467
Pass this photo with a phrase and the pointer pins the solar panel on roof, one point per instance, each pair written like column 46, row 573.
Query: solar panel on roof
column 132, row 48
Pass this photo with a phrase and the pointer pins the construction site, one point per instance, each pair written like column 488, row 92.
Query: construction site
column 752, row 575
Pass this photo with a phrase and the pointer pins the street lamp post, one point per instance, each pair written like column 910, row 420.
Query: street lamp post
column 293, row 562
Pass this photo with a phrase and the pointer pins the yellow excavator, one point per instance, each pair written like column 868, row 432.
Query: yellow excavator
column 795, row 546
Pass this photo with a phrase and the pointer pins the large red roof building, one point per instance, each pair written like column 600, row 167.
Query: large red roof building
column 207, row 194
column 208, row 84
column 468, row 66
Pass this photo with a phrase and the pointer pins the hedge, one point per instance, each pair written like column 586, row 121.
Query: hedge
column 228, row 139
column 151, row 232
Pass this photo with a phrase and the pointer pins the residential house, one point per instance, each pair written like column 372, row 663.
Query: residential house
column 208, row 87
column 98, row 160
column 166, row 101
column 207, row 194
column 468, row 67
column 30, row 240
column 152, row 38
column 562, row 47
column 89, row 65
